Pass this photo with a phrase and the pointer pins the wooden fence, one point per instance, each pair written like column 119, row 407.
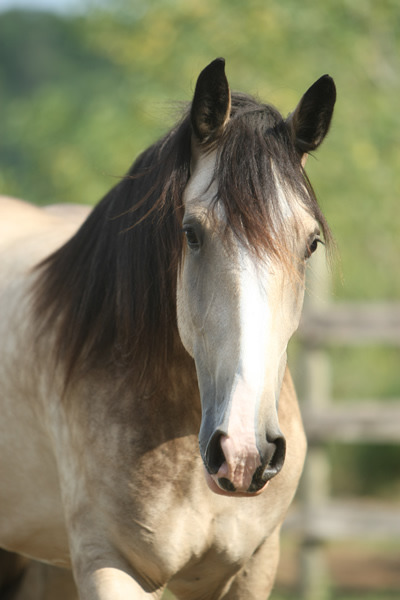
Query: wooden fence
column 320, row 518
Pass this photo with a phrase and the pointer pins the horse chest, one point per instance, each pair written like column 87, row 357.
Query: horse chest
column 206, row 537
column 218, row 551
column 169, row 524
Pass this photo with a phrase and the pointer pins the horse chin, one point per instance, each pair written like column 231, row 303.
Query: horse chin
column 215, row 486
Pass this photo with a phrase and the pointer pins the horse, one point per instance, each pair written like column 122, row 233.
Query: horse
column 150, row 431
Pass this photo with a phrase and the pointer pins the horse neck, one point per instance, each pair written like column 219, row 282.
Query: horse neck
column 150, row 416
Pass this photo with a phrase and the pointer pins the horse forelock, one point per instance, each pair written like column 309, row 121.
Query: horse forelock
column 110, row 292
column 257, row 163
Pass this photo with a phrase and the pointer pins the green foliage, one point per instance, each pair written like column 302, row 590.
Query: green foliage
column 53, row 102
column 82, row 96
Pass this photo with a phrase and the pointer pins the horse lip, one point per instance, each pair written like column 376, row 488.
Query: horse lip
column 217, row 489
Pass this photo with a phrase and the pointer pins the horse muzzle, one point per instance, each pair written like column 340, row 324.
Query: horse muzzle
column 237, row 467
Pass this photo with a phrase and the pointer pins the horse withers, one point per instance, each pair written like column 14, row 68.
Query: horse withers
column 150, row 432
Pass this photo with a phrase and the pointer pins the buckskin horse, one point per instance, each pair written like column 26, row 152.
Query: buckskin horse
column 150, row 432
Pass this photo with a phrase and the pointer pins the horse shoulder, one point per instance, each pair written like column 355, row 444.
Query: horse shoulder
column 73, row 212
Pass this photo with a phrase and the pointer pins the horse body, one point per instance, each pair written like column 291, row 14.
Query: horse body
column 28, row 468
column 100, row 462
column 178, row 532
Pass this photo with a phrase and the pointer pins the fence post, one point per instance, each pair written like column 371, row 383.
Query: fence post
column 315, row 393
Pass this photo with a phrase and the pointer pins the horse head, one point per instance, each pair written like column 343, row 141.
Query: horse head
column 251, row 222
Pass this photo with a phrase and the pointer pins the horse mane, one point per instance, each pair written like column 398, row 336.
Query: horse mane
column 109, row 293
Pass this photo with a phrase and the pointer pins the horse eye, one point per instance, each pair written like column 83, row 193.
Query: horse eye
column 191, row 237
column 311, row 248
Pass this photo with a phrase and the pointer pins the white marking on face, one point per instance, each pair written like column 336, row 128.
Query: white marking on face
column 255, row 320
column 240, row 444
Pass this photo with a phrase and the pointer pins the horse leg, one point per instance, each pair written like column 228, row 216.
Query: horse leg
column 102, row 573
column 256, row 579
column 111, row 583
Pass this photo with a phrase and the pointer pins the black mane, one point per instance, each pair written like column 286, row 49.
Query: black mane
column 110, row 290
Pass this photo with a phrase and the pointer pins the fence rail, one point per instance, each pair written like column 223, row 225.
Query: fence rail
column 343, row 520
column 376, row 422
column 356, row 323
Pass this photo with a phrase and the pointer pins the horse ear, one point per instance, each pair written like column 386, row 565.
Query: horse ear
column 211, row 102
column 310, row 121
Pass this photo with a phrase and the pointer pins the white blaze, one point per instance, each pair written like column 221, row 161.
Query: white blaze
column 240, row 446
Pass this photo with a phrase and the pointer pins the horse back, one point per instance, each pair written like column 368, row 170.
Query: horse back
column 24, row 224
column 27, row 235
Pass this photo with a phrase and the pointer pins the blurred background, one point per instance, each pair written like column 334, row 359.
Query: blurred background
column 86, row 85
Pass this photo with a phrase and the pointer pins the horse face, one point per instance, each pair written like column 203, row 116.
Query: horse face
column 236, row 313
column 237, row 308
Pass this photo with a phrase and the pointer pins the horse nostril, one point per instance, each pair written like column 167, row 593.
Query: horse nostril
column 214, row 455
column 276, row 460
